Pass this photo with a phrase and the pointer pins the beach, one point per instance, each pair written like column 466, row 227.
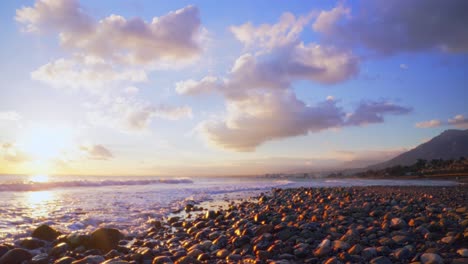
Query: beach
column 290, row 224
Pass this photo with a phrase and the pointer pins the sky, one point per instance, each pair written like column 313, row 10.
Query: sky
column 179, row 88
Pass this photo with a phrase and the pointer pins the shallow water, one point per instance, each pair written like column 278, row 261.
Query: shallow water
column 128, row 203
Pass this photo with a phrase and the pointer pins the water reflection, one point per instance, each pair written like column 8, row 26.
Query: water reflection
column 39, row 178
column 40, row 203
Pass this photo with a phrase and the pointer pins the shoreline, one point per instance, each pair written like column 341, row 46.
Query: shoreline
column 377, row 224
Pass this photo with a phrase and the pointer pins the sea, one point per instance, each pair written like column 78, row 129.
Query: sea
column 84, row 203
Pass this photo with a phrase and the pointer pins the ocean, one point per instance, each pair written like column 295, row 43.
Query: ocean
column 83, row 203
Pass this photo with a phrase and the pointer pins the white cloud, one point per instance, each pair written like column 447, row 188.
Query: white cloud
column 428, row 124
column 326, row 20
column 260, row 103
column 10, row 116
column 97, row 152
column 191, row 87
column 403, row 66
column 11, row 153
column 130, row 114
column 268, row 37
column 459, row 121
column 174, row 36
column 266, row 116
column 86, row 73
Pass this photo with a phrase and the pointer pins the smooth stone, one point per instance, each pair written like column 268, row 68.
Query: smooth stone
column 115, row 261
column 463, row 252
column 356, row 249
column 380, row 260
column 15, row 256
column 93, row 259
column 459, row 261
column 105, row 239
column 369, row 253
column 40, row 259
column 187, row 260
column 45, row 232
column 223, row 253
column 431, row 258
column 402, row 253
column 332, row 260
column 398, row 223
column 340, row 245
column 64, row 260
column 448, row 240
column 162, row 260
column 31, row 243
column 323, row 248
column 59, row 249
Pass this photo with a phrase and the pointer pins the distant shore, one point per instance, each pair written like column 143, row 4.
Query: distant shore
column 303, row 225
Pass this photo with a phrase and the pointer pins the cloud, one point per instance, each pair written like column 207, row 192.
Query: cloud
column 389, row 27
column 190, row 87
column 268, row 37
column 260, row 103
column 174, row 36
column 86, row 73
column 373, row 112
column 129, row 114
column 428, row 124
column 403, row 66
column 459, row 121
column 10, row 116
column 97, row 152
column 268, row 116
column 276, row 114
column 13, row 154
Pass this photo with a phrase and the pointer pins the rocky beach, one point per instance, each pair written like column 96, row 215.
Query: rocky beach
column 301, row 225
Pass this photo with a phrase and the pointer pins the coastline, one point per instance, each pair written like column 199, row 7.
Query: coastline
column 378, row 224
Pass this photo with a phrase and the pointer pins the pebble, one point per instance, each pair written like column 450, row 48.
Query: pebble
column 15, row 256
column 431, row 258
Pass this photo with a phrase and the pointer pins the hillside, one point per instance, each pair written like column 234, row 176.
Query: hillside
column 451, row 144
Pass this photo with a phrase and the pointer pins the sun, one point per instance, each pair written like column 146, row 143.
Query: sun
column 45, row 143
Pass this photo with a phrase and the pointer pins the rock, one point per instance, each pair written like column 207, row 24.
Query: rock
column 45, row 232
column 448, row 240
column 64, row 260
column 162, row 260
column 398, row 223
column 431, row 258
column 369, row 253
column 340, row 245
column 3, row 250
column 463, row 252
column 323, row 248
column 332, row 260
column 234, row 258
column 187, row 260
column 400, row 239
column 31, row 243
column 105, row 239
column 459, row 261
column 115, row 261
column 15, row 256
column 402, row 254
column 40, row 259
column 223, row 253
column 210, row 214
column 356, row 249
column 59, row 250
column 93, row 259
column 380, row 260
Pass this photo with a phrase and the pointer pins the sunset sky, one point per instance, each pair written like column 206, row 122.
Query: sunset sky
column 180, row 88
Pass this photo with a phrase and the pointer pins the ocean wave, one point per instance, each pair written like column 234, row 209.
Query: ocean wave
column 42, row 186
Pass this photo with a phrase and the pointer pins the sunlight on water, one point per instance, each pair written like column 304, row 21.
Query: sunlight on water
column 38, row 202
column 39, row 178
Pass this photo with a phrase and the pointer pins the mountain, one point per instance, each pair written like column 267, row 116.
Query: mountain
column 451, row 144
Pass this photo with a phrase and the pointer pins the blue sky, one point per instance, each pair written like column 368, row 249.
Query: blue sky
column 234, row 88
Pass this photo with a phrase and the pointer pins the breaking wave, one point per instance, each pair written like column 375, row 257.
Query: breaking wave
column 42, row 186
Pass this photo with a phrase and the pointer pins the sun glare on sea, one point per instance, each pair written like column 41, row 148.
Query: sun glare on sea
column 39, row 178
column 38, row 202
